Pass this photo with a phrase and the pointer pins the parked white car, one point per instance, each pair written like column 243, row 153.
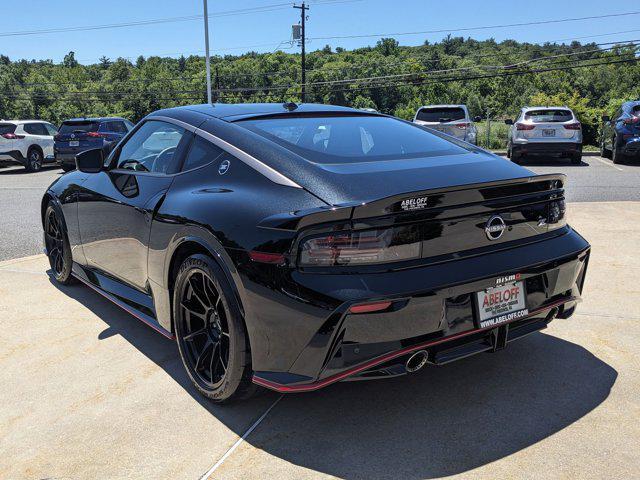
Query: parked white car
column 453, row 120
column 545, row 131
column 27, row 142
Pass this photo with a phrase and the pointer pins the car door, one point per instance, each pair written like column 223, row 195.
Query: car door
column 116, row 205
column 37, row 134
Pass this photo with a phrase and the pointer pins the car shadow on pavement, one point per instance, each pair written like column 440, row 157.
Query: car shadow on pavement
column 19, row 170
column 162, row 351
column 438, row 422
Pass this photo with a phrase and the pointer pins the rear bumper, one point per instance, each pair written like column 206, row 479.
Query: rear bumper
column 548, row 148
column 433, row 309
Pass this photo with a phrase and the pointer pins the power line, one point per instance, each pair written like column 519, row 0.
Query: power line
column 484, row 27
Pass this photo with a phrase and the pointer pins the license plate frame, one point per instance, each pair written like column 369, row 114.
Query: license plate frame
column 74, row 143
column 548, row 132
column 506, row 302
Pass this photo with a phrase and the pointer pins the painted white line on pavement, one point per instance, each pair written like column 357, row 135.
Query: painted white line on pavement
column 217, row 465
column 602, row 160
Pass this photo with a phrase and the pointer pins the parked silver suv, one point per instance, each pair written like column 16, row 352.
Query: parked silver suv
column 545, row 131
column 453, row 120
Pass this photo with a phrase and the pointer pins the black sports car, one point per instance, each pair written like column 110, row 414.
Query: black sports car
column 293, row 246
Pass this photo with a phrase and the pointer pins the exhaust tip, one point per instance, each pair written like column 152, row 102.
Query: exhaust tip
column 416, row 361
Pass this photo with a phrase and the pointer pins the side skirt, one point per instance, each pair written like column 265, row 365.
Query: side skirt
column 129, row 299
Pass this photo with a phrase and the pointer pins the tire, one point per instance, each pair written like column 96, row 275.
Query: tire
column 58, row 247
column 210, row 332
column 617, row 156
column 604, row 151
column 509, row 154
column 576, row 158
column 34, row 160
column 67, row 168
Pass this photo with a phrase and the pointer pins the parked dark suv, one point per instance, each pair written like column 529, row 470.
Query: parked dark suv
column 621, row 133
column 80, row 134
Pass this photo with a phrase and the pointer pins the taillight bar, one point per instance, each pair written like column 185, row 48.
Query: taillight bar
column 12, row 136
column 463, row 126
column 573, row 126
column 97, row 135
column 631, row 121
column 524, row 126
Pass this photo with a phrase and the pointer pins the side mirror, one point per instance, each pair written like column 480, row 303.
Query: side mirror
column 90, row 161
column 606, row 118
column 508, row 121
column 477, row 119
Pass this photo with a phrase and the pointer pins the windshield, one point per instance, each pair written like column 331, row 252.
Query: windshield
column 540, row 116
column 71, row 127
column 441, row 114
column 350, row 139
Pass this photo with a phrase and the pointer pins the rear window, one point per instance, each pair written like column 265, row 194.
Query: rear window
column 71, row 127
column 351, row 139
column 7, row 128
column 540, row 116
column 635, row 109
column 442, row 115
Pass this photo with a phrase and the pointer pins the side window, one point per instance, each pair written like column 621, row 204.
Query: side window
column 51, row 129
column 35, row 129
column 151, row 148
column 119, row 127
column 106, row 127
column 202, row 151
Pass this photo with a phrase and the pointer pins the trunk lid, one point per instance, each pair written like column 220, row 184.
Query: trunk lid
column 78, row 136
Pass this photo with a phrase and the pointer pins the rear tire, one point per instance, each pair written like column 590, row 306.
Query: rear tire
column 617, row 156
column 210, row 332
column 58, row 247
column 34, row 160
column 604, row 151
column 576, row 158
column 67, row 168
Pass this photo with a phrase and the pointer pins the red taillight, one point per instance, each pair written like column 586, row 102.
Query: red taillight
column 96, row 135
column 573, row 126
column 463, row 126
column 370, row 307
column 524, row 126
column 262, row 257
column 631, row 121
column 12, row 136
column 362, row 248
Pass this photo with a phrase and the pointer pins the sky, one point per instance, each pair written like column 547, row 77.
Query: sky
column 240, row 30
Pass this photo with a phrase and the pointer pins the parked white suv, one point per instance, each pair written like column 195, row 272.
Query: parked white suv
column 453, row 120
column 545, row 131
column 27, row 142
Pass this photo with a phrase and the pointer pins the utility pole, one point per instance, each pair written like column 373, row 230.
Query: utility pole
column 303, row 13
column 206, row 49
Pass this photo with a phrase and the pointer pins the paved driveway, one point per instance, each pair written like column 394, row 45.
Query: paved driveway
column 89, row 392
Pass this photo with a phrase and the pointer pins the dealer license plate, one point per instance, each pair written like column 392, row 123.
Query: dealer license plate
column 501, row 304
column 74, row 143
column 549, row 132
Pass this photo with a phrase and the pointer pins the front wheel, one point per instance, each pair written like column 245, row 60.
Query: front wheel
column 210, row 332
column 58, row 247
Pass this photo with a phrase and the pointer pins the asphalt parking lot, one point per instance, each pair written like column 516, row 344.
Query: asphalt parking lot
column 89, row 392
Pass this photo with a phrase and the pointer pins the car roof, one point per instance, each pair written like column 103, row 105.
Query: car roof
column 21, row 122
column 547, row 107
column 235, row 111
column 632, row 103
column 92, row 119
column 461, row 105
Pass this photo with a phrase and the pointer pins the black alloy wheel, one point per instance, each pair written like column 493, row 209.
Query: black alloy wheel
column 58, row 248
column 210, row 332
column 34, row 160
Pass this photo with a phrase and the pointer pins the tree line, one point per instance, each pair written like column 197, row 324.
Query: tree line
column 494, row 79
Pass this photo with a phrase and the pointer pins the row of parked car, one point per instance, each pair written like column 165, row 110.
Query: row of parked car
column 33, row 143
column 544, row 130
column 536, row 131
